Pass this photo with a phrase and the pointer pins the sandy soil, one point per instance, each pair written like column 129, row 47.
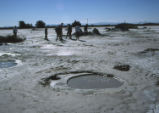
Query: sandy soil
column 22, row 92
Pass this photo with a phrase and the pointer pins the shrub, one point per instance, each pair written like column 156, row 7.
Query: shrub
column 125, row 26
column 96, row 31
column 22, row 24
column 10, row 39
column 76, row 23
column 40, row 24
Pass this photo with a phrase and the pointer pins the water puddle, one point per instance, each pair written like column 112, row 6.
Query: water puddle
column 93, row 82
column 7, row 64
column 82, row 80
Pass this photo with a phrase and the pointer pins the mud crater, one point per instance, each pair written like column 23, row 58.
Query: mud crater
column 83, row 80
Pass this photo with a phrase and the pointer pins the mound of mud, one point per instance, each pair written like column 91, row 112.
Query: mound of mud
column 121, row 67
column 11, row 39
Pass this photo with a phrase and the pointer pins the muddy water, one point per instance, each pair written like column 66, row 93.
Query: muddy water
column 7, row 64
column 93, row 82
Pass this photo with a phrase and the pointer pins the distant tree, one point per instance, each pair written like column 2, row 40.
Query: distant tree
column 22, row 24
column 76, row 23
column 29, row 26
column 126, row 26
column 40, row 24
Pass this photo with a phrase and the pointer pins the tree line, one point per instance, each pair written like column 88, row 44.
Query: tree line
column 41, row 24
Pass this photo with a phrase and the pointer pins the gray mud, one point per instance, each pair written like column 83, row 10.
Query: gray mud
column 21, row 91
column 93, row 82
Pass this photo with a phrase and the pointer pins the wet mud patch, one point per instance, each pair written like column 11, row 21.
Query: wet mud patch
column 83, row 80
column 7, row 64
column 92, row 81
column 122, row 67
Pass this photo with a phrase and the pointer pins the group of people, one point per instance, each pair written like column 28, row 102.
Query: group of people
column 59, row 32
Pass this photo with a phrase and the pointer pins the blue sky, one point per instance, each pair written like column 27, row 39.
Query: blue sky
column 57, row 11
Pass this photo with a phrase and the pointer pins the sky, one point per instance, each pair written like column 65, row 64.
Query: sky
column 66, row 11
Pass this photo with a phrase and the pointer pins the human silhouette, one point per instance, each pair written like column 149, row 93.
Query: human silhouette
column 15, row 31
column 46, row 34
column 69, row 31
column 86, row 28
column 78, row 32
column 59, row 32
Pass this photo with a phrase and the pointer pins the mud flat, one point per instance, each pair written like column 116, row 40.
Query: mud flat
column 43, row 82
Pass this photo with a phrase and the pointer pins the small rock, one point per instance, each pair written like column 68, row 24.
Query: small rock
column 122, row 67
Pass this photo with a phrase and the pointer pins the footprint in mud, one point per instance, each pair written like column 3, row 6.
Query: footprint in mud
column 122, row 67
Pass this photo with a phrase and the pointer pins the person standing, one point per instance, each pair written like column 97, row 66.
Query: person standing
column 86, row 28
column 78, row 32
column 46, row 34
column 15, row 31
column 59, row 32
column 69, row 31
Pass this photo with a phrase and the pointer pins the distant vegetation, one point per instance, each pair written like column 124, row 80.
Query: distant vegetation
column 126, row 26
column 22, row 25
column 96, row 31
column 76, row 23
column 10, row 39
column 40, row 24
